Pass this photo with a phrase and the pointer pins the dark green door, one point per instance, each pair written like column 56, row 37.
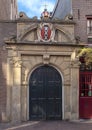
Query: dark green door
column 45, row 94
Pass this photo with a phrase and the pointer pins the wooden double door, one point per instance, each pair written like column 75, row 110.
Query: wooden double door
column 45, row 94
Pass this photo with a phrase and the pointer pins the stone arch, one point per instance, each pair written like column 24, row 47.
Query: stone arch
column 28, row 31
column 66, row 33
column 38, row 65
column 28, row 77
column 43, row 74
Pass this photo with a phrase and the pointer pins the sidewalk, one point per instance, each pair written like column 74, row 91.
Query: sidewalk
column 48, row 125
column 13, row 126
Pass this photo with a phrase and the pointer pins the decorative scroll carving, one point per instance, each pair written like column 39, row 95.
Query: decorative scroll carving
column 16, row 62
column 74, row 60
column 12, row 38
column 23, row 15
column 75, row 63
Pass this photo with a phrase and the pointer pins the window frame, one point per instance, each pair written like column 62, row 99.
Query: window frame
column 89, row 24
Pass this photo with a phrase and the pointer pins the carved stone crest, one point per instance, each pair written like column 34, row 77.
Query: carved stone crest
column 46, row 32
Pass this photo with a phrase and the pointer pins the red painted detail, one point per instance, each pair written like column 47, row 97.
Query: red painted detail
column 85, row 111
column 44, row 32
column 46, row 14
column 85, row 95
column 49, row 33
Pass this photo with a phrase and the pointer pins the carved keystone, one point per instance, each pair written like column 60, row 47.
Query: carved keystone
column 46, row 58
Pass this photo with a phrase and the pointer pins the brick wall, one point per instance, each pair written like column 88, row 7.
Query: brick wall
column 5, row 9
column 81, row 8
column 6, row 29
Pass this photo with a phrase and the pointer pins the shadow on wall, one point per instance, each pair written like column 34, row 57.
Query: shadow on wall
column 6, row 29
column 3, row 95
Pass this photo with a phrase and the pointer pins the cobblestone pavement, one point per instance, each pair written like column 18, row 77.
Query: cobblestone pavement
column 48, row 125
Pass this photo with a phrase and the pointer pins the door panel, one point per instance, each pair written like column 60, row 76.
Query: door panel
column 86, row 108
column 85, row 98
column 45, row 94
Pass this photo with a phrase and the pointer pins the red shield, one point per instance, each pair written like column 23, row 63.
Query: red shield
column 45, row 32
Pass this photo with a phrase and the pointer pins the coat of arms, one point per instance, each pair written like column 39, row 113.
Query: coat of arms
column 46, row 32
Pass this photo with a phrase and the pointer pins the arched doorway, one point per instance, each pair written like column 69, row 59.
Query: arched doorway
column 45, row 94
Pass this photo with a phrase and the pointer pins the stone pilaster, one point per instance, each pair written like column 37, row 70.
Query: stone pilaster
column 9, row 88
column 14, row 90
column 74, row 89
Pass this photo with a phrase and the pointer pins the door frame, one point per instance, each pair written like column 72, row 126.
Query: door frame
column 61, row 85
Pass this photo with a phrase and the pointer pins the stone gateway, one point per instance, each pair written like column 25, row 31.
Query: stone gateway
column 43, row 75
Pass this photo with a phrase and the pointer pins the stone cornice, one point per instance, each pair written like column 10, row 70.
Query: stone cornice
column 42, row 43
column 39, row 21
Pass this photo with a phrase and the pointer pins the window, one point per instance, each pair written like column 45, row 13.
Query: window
column 85, row 84
column 85, row 78
column 89, row 25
